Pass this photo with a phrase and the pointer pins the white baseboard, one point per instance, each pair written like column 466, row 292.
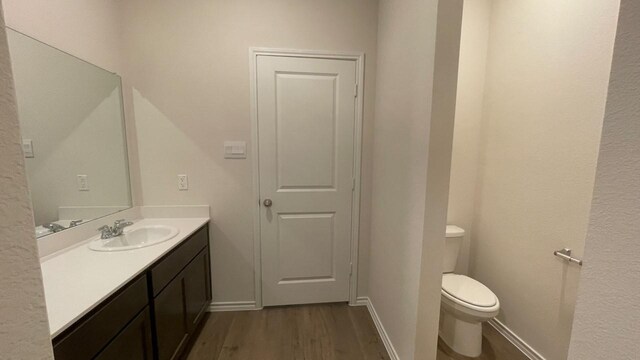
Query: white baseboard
column 233, row 306
column 517, row 341
column 361, row 301
column 365, row 301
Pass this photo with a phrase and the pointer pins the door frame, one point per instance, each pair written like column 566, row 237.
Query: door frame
column 358, row 58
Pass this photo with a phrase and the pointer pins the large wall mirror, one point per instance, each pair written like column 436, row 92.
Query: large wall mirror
column 72, row 128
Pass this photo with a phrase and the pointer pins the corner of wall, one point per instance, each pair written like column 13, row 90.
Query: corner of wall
column 25, row 332
column 445, row 84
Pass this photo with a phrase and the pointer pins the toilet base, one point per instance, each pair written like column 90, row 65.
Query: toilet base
column 463, row 337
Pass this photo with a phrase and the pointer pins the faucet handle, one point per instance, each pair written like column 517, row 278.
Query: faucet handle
column 105, row 232
column 75, row 222
column 118, row 224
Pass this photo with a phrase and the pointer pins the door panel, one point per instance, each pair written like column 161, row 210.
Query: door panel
column 306, row 118
column 305, row 131
column 171, row 324
column 305, row 244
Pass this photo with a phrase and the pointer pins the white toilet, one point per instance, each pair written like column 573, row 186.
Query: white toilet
column 466, row 303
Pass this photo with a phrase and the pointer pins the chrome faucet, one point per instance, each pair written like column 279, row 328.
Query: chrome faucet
column 54, row 227
column 108, row 232
column 74, row 223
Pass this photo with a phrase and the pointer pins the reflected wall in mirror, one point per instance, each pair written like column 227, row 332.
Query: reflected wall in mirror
column 72, row 127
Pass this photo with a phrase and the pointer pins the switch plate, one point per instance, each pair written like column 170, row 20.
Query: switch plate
column 183, row 182
column 83, row 183
column 27, row 148
column 235, row 149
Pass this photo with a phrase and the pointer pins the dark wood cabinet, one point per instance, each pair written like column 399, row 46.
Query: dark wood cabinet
column 171, row 325
column 87, row 337
column 134, row 342
column 151, row 318
column 180, row 305
column 197, row 289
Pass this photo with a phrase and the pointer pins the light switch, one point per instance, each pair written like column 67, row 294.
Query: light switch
column 183, row 182
column 83, row 183
column 235, row 150
column 27, row 148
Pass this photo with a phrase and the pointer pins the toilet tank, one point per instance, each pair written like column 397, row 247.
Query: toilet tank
column 452, row 243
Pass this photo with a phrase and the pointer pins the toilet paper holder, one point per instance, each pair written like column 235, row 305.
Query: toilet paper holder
column 565, row 254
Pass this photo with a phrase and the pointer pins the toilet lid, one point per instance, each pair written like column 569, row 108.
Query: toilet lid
column 468, row 290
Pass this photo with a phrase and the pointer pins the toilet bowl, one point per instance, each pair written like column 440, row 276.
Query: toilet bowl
column 466, row 303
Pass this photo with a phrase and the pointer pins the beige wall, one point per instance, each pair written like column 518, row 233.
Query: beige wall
column 88, row 29
column 468, row 121
column 547, row 72
column 405, row 79
column 24, row 330
column 188, row 69
column 608, row 312
column 445, row 82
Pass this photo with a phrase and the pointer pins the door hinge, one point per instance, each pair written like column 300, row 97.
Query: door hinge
column 355, row 90
column 353, row 184
column 350, row 269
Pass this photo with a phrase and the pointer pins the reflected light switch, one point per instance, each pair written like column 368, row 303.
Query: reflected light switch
column 27, row 148
column 235, row 150
column 83, row 183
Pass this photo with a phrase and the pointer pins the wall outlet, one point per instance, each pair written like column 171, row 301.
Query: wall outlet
column 183, row 182
column 83, row 183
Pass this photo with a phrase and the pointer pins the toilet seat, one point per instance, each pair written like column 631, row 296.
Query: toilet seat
column 469, row 293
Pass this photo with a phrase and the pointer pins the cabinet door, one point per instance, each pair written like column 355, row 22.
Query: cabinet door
column 133, row 343
column 171, row 320
column 197, row 288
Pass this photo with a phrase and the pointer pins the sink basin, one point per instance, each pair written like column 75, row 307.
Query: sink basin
column 136, row 238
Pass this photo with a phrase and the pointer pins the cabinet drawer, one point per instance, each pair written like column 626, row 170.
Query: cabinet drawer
column 169, row 267
column 89, row 336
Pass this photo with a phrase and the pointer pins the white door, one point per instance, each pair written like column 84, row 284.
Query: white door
column 306, row 117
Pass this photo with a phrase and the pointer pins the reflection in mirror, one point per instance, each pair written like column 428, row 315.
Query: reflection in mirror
column 72, row 129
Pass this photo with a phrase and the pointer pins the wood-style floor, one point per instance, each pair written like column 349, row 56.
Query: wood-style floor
column 309, row 332
column 312, row 332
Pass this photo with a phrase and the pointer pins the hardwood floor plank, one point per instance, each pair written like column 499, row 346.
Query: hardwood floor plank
column 208, row 347
column 238, row 342
column 308, row 332
column 314, row 332
column 283, row 333
column 342, row 332
column 317, row 342
column 370, row 343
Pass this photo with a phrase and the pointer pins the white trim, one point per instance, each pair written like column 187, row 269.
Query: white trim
column 393, row 355
column 255, row 153
column 357, row 173
column 359, row 58
column 517, row 341
column 360, row 301
column 233, row 306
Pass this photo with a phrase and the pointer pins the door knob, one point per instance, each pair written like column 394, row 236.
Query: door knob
column 268, row 202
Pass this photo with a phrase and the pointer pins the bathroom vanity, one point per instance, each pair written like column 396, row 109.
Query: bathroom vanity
column 137, row 304
column 110, row 293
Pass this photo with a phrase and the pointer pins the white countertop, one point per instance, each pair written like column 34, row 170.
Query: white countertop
column 78, row 279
